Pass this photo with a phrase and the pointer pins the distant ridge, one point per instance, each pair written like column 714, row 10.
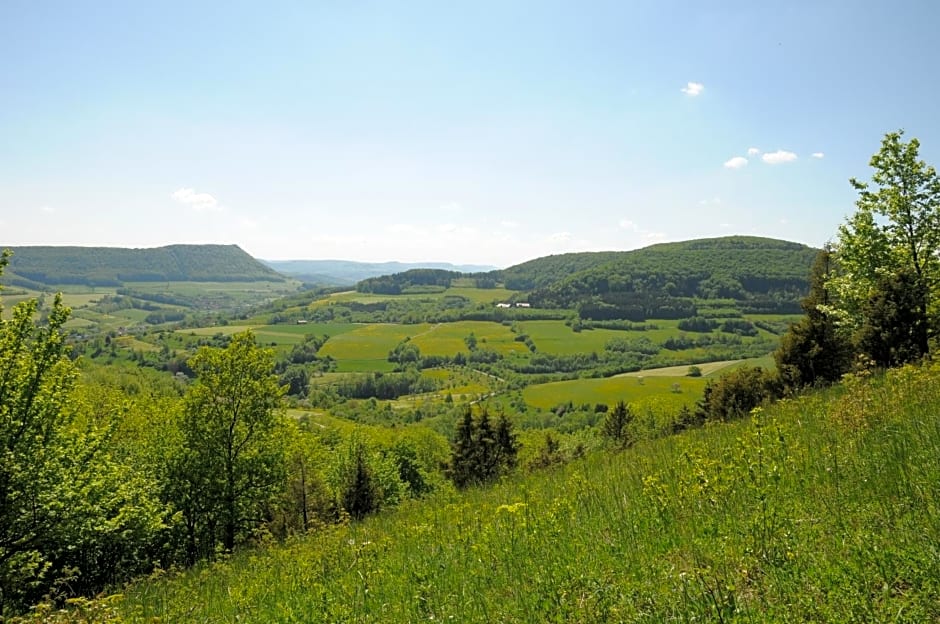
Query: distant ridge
column 349, row 273
column 772, row 274
column 113, row 266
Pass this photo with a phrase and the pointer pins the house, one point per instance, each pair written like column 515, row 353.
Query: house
column 522, row 304
column 503, row 305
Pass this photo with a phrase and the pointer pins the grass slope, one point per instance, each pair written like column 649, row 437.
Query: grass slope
column 824, row 508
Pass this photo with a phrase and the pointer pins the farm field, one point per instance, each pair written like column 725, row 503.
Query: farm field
column 449, row 338
column 668, row 393
column 366, row 348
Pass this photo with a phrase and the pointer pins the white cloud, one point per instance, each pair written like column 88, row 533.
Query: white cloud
column 736, row 163
column 693, row 89
column 199, row 202
column 452, row 208
column 778, row 157
column 47, row 209
column 560, row 237
column 509, row 224
column 627, row 224
column 753, row 151
column 818, row 155
column 714, row 201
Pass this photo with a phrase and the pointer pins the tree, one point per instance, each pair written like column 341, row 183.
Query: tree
column 67, row 506
column 814, row 350
column 232, row 464
column 617, row 425
column 895, row 230
column 894, row 331
column 480, row 453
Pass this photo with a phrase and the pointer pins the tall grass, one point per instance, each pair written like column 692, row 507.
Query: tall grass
column 824, row 508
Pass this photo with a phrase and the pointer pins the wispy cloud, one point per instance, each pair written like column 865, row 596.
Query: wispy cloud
column 559, row 237
column 714, row 201
column 200, row 202
column 693, row 89
column 647, row 235
column 778, row 157
column 818, row 155
column 47, row 209
column 753, row 151
column 736, row 163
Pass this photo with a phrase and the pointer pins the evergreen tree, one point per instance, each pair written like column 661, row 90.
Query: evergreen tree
column 814, row 350
column 360, row 496
column 507, row 444
column 480, row 453
column 617, row 425
column 462, row 462
column 895, row 330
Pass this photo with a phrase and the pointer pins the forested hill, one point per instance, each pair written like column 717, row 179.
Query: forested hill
column 736, row 267
column 113, row 266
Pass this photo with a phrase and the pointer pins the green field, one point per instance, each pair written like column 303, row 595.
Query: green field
column 667, row 393
column 367, row 346
column 448, row 338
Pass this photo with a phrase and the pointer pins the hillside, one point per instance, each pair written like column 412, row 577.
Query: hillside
column 731, row 266
column 113, row 266
column 348, row 273
column 770, row 274
column 819, row 509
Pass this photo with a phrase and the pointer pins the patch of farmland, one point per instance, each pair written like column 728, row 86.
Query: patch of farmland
column 708, row 368
column 449, row 338
column 668, row 393
column 367, row 346
column 557, row 338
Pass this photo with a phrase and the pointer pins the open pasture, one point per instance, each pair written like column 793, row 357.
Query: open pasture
column 665, row 392
column 366, row 347
column 449, row 338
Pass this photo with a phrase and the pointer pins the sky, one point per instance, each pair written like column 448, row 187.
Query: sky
column 467, row 132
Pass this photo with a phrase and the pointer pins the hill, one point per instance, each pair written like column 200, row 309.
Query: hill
column 348, row 273
column 113, row 266
column 819, row 509
column 765, row 274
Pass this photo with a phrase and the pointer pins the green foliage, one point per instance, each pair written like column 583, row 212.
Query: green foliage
column 481, row 453
column 231, row 463
column 814, row 351
column 617, row 425
column 894, row 331
column 735, row 394
column 698, row 324
column 757, row 270
column 70, row 511
column 895, row 230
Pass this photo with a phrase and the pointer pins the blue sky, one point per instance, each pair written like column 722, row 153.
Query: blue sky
column 484, row 132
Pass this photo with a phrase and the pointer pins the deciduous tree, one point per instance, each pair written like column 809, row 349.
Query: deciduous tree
column 895, row 230
column 232, row 464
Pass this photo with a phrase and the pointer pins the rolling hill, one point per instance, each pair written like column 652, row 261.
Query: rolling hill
column 40, row 267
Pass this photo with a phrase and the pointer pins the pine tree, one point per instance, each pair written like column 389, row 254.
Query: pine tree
column 814, row 350
column 617, row 425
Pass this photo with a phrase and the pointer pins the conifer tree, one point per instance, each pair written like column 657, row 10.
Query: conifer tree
column 617, row 425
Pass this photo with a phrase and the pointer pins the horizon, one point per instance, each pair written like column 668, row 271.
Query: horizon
column 394, row 261
column 484, row 134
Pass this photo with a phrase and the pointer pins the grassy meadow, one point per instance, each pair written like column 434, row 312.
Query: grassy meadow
column 821, row 508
